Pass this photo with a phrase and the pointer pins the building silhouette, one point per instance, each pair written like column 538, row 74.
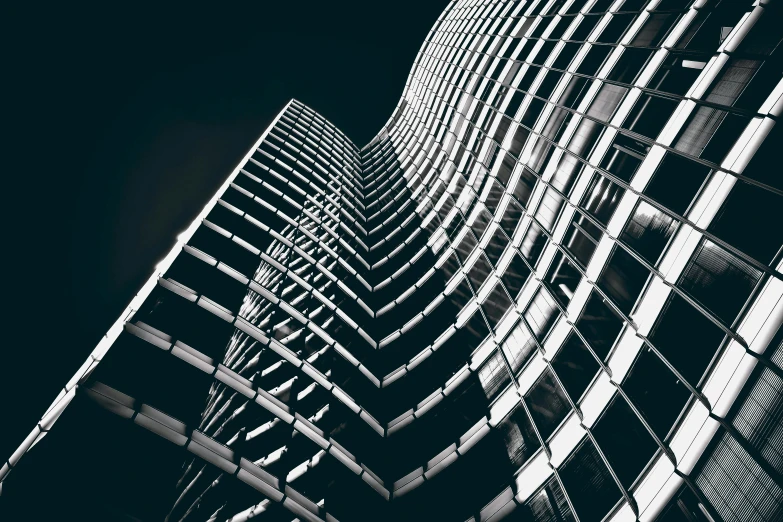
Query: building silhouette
column 549, row 289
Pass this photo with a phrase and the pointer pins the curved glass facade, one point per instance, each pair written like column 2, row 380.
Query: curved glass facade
column 549, row 289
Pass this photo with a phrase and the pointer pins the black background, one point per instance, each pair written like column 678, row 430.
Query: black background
column 122, row 120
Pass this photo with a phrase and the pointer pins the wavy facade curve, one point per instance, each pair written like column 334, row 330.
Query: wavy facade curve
column 549, row 289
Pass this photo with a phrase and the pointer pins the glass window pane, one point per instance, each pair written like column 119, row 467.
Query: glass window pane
column 496, row 305
column 479, row 272
column 519, row 347
column 515, row 275
column 575, row 366
column 623, row 279
column 541, row 314
column 655, row 391
column 518, row 434
column 511, row 217
column 733, row 79
column 762, row 167
column 585, row 137
column 676, row 182
column 519, row 140
column 524, row 187
column 629, row 65
column 548, row 505
column 606, row 101
column 616, row 27
column 673, row 77
column 496, row 246
column 601, row 198
column 533, row 244
column 648, row 231
column 574, row 91
column 687, row 339
column 593, row 60
column 493, row 375
column 599, row 325
column 581, row 239
column 710, row 133
column 649, row 114
column 624, row 440
column 624, row 157
column 506, row 167
column 589, row 485
column 719, row 280
column 563, row 278
column 746, row 221
column 547, row 403
column 542, row 151
column 654, row 29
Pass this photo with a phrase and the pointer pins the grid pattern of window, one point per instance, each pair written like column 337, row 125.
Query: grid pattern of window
column 538, row 293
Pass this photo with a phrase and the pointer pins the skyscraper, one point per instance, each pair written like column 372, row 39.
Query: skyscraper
column 549, row 289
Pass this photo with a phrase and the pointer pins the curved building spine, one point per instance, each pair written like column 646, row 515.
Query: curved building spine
column 549, row 289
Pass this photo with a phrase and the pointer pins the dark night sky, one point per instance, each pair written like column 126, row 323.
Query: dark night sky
column 121, row 122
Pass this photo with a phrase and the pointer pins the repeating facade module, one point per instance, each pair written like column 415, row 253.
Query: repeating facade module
column 549, row 289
